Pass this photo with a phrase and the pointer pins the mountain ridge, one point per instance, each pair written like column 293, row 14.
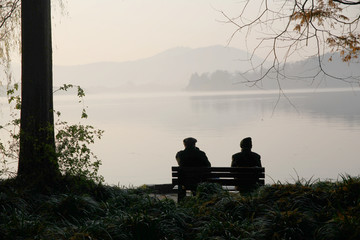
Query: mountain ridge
column 170, row 69
column 184, row 68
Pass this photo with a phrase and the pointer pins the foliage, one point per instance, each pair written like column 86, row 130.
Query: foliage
column 9, row 149
column 317, row 14
column 72, row 144
column 74, row 155
column 9, row 32
column 72, row 141
column 81, row 209
column 10, row 11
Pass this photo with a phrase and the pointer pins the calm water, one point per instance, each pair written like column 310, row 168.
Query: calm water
column 311, row 134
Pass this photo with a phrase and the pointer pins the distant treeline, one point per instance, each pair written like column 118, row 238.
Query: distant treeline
column 297, row 75
column 219, row 80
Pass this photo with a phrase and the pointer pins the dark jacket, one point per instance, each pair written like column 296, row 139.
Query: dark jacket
column 246, row 158
column 192, row 157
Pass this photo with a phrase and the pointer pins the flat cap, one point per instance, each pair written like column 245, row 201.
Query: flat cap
column 246, row 143
column 189, row 141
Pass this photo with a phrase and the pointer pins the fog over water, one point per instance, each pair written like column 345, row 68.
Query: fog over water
column 311, row 134
column 308, row 134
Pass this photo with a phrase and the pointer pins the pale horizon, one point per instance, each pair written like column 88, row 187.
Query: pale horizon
column 119, row 31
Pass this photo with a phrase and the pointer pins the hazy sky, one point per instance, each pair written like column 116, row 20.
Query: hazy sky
column 123, row 30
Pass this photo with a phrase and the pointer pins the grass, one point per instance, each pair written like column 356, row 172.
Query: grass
column 80, row 209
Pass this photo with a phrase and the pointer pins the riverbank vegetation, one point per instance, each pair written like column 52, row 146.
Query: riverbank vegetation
column 82, row 209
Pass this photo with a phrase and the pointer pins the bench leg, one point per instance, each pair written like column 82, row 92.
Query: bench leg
column 181, row 193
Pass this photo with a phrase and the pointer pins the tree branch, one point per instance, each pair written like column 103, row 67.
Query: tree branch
column 305, row 24
column 347, row 2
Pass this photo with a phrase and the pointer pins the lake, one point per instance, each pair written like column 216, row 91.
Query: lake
column 305, row 134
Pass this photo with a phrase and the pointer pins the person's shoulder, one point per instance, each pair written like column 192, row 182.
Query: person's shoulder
column 236, row 155
column 179, row 153
column 199, row 151
column 202, row 155
column 255, row 154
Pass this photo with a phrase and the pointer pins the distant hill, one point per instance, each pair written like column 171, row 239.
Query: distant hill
column 195, row 69
column 302, row 74
column 167, row 70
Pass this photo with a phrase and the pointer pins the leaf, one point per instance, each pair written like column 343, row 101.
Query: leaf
column 297, row 28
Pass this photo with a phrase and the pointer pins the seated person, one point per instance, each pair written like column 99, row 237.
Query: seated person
column 246, row 158
column 192, row 156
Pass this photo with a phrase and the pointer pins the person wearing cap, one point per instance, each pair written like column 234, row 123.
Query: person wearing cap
column 192, row 156
column 246, row 158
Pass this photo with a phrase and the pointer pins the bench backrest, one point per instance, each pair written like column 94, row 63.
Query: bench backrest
column 226, row 176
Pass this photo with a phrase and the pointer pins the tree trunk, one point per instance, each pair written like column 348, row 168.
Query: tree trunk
column 37, row 159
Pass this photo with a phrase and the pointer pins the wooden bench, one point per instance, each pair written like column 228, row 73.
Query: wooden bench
column 241, row 178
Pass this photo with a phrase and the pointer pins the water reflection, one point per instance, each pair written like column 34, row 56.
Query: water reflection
column 316, row 133
column 333, row 106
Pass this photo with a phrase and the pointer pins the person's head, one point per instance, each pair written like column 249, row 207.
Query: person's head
column 189, row 142
column 246, row 143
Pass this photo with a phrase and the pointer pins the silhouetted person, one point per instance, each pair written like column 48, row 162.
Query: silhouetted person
column 246, row 158
column 192, row 156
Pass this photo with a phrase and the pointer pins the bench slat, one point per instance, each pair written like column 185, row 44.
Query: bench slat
column 243, row 177
column 223, row 182
column 218, row 175
column 219, row 169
